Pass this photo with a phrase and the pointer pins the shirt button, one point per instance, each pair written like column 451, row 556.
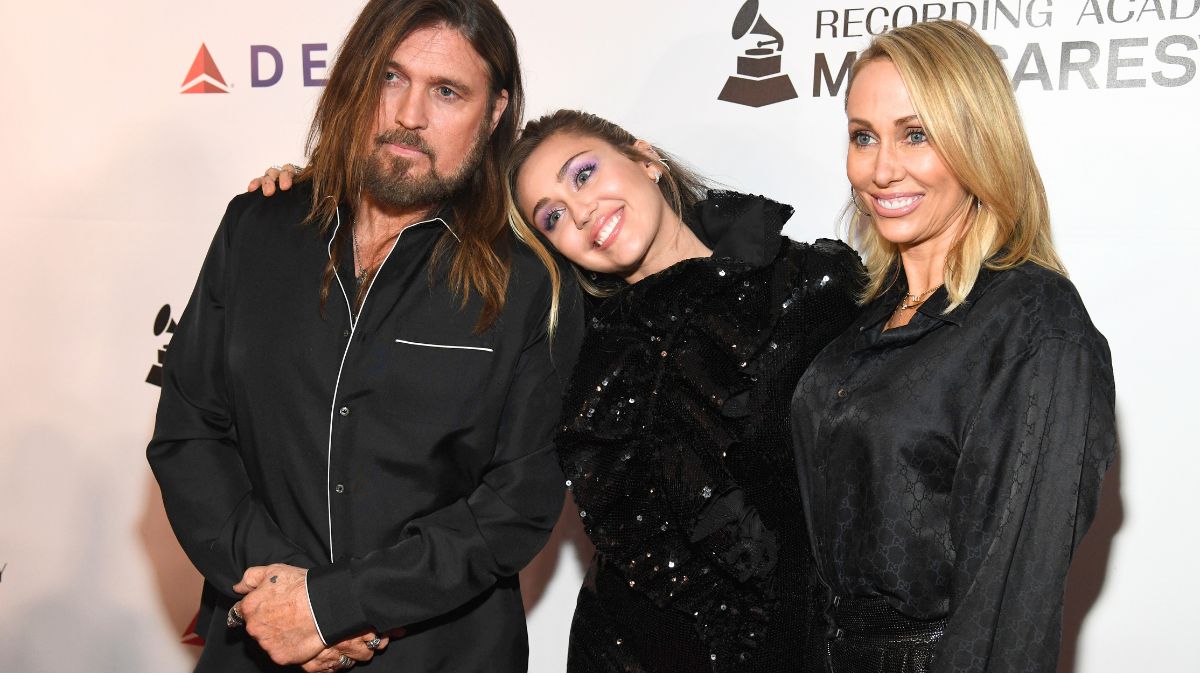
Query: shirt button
column 344, row 412
column 842, row 393
column 346, row 332
column 339, row 488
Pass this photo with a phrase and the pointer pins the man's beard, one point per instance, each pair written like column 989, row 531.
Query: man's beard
column 388, row 182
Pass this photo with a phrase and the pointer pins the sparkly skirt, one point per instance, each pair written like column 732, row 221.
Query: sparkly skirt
column 867, row 635
column 618, row 630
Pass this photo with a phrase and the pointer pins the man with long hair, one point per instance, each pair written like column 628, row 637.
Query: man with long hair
column 353, row 434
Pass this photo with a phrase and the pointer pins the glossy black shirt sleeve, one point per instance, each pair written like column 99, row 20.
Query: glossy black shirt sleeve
column 220, row 521
column 1025, row 491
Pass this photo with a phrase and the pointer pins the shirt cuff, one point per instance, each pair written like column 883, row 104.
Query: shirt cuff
column 311, row 612
column 334, row 603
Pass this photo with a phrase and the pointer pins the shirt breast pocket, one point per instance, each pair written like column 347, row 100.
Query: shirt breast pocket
column 444, row 380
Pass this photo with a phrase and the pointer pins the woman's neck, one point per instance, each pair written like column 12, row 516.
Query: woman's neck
column 680, row 246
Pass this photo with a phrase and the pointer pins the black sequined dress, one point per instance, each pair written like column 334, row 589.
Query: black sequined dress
column 676, row 447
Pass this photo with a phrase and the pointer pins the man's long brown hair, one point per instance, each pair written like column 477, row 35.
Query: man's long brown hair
column 340, row 139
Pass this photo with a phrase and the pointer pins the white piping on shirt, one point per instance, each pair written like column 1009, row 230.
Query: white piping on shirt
column 429, row 344
column 312, row 613
column 353, row 325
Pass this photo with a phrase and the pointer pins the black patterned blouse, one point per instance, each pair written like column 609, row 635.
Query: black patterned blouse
column 676, row 447
column 950, row 467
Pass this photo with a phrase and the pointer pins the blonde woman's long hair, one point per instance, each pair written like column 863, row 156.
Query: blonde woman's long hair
column 966, row 106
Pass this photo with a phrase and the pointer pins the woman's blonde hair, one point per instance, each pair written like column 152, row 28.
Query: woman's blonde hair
column 967, row 108
column 680, row 187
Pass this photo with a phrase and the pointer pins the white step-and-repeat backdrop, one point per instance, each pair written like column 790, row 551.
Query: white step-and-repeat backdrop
column 121, row 142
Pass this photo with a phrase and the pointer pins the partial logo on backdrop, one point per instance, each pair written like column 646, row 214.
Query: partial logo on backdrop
column 190, row 636
column 1046, row 45
column 760, row 79
column 163, row 323
column 204, row 77
column 266, row 69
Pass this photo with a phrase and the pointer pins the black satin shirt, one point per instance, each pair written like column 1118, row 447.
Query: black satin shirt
column 952, row 465
column 403, row 459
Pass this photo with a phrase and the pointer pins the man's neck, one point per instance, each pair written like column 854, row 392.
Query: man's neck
column 374, row 221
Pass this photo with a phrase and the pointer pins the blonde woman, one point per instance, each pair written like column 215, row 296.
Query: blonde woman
column 951, row 443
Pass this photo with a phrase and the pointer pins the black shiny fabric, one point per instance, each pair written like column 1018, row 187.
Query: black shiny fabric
column 951, row 466
column 675, row 444
column 413, row 481
column 867, row 635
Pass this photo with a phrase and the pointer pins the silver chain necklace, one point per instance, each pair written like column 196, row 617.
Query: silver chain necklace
column 361, row 274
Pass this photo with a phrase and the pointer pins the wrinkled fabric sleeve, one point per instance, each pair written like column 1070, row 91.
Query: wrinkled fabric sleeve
column 1024, row 494
column 446, row 558
column 221, row 524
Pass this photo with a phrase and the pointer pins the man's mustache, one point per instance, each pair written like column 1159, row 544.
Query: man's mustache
column 404, row 137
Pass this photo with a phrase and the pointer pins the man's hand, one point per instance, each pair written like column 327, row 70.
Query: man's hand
column 277, row 614
column 358, row 648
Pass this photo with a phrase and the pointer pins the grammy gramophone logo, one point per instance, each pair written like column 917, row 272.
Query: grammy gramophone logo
column 163, row 323
column 759, row 80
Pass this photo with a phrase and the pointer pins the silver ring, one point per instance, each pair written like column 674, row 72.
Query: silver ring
column 277, row 167
column 374, row 643
column 345, row 661
column 234, row 618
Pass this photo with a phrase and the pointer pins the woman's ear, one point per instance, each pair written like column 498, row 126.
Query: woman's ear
column 652, row 165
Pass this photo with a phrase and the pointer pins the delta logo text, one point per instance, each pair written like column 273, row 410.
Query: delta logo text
column 266, row 66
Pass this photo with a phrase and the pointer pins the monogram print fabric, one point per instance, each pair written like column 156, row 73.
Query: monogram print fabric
column 951, row 466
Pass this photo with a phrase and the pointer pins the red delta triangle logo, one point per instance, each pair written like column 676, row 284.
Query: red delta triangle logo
column 204, row 77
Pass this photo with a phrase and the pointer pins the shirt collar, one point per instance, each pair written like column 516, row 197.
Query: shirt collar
column 443, row 214
column 930, row 314
column 739, row 226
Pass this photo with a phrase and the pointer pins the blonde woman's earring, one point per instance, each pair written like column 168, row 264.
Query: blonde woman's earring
column 854, row 201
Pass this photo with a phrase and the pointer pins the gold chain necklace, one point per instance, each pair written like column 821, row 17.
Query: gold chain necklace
column 910, row 301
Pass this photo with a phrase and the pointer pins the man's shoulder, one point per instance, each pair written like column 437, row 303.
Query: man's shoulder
column 283, row 208
column 528, row 268
column 530, row 281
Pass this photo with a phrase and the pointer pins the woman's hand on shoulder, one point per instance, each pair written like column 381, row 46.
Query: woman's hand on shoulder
column 276, row 177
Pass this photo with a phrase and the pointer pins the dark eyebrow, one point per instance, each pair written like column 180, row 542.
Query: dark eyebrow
column 462, row 88
column 562, row 171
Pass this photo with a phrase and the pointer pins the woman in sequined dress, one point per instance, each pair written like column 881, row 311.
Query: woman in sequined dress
column 951, row 443
column 675, row 441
